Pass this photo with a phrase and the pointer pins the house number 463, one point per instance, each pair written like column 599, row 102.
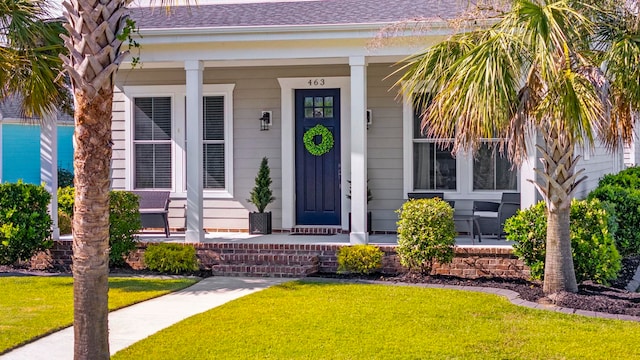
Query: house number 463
column 316, row 82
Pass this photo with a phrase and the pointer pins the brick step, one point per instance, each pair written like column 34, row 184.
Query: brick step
column 286, row 271
column 316, row 230
column 277, row 259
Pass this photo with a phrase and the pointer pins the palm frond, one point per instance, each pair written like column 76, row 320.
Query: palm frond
column 29, row 62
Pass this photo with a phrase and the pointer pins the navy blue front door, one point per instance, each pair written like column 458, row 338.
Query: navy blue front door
column 318, row 166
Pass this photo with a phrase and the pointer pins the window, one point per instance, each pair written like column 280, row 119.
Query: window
column 213, row 142
column 152, row 142
column 434, row 168
column 492, row 170
column 156, row 156
column 428, row 165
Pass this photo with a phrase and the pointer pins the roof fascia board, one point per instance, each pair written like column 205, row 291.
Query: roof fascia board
column 271, row 33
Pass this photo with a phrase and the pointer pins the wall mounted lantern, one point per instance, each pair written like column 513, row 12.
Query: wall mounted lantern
column 265, row 120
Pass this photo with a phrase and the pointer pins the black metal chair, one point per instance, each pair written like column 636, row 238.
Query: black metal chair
column 492, row 215
column 154, row 209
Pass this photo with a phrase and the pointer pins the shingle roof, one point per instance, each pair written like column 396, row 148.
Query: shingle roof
column 10, row 109
column 319, row 12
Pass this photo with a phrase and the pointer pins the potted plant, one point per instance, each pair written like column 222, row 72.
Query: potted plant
column 261, row 196
column 369, row 197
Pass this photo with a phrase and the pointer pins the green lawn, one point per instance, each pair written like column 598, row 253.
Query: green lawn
column 35, row 306
column 299, row 320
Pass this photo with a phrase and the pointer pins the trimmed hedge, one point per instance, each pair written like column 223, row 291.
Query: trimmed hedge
column 171, row 258
column 625, row 204
column 426, row 233
column 25, row 224
column 359, row 259
column 593, row 247
column 623, row 191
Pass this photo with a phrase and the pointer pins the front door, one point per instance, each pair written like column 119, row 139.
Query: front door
column 318, row 157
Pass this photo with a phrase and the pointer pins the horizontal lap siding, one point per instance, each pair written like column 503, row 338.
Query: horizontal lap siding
column 597, row 164
column 384, row 148
column 118, row 169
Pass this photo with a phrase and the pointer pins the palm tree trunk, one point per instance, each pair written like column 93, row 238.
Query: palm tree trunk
column 559, row 183
column 559, row 273
column 94, row 55
column 92, row 158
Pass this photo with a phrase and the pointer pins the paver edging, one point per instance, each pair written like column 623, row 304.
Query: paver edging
column 511, row 295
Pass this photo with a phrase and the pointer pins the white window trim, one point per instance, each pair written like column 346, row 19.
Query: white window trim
column 178, row 150
column 464, row 162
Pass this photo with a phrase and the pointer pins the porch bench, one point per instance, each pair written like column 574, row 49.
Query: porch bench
column 154, row 209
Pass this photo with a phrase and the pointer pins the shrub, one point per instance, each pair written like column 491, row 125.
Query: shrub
column 626, row 207
column 359, row 259
column 426, row 233
column 628, row 178
column 25, row 224
column 124, row 221
column 65, row 178
column 595, row 256
column 171, row 258
column 64, row 223
column 65, row 200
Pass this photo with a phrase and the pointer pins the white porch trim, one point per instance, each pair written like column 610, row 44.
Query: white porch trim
column 49, row 166
column 287, row 95
column 359, row 234
column 194, row 129
column 527, row 189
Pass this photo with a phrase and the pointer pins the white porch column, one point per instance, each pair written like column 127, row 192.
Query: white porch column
column 527, row 189
column 49, row 166
column 194, row 129
column 359, row 233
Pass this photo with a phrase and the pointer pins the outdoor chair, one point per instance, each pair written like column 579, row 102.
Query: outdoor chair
column 154, row 209
column 491, row 215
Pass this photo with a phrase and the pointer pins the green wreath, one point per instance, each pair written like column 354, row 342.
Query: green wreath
column 325, row 145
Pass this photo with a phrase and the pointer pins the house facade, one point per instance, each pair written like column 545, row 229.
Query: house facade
column 222, row 86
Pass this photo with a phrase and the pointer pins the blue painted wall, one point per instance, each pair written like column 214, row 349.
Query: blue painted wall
column 21, row 151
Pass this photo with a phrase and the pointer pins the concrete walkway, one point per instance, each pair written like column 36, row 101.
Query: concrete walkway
column 134, row 323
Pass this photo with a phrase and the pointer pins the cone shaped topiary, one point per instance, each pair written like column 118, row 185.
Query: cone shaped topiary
column 261, row 195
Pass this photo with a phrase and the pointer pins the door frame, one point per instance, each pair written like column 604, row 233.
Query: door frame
column 287, row 98
column 329, row 184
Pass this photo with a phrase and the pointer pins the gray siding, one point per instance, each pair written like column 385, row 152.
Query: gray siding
column 596, row 164
column 384, row 149
column 257, row 89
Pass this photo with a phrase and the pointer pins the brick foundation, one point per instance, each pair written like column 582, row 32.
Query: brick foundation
column 296, row 260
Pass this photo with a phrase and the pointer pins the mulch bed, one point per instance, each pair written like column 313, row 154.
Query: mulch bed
column 612, row 299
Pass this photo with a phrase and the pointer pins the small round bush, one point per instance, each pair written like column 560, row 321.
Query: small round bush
column 628, row 178
column 64, row 223
column 171, row 258
column 426, row 234
column 124, row 222
column 359, row 259
column 593, row 247
column 626, row 207
column 25, row 224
